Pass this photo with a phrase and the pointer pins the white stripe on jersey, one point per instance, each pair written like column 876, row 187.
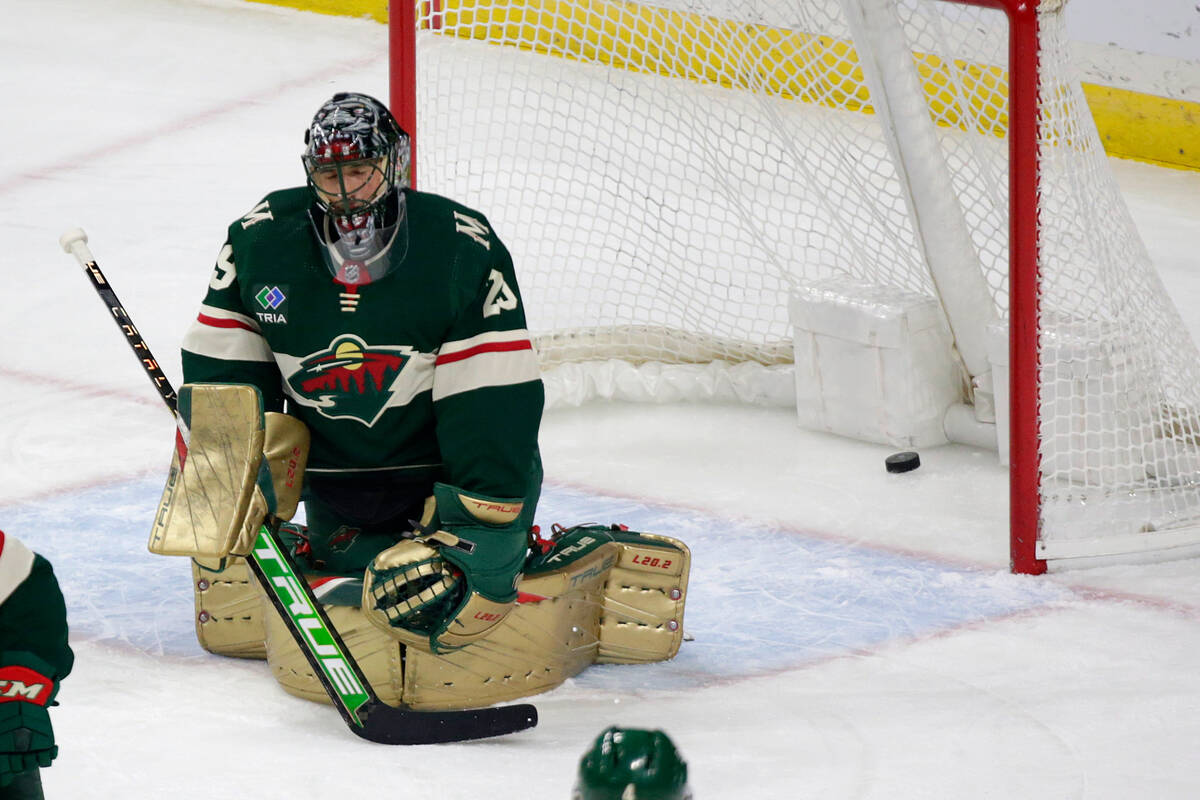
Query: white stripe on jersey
column 490, row 359
column 227, row 335
column 325, row 589
column 16, row 562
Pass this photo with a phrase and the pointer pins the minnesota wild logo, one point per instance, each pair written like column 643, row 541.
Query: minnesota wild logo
column 350, row 378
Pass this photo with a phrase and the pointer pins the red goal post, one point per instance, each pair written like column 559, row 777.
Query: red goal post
column 759, row 147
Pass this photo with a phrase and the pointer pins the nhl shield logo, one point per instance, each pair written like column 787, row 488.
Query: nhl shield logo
column 350, row 378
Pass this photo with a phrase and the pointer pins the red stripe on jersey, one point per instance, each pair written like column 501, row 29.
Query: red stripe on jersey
column 493, row 347
column 216, row 322
column 1, row 543
column 315, row 582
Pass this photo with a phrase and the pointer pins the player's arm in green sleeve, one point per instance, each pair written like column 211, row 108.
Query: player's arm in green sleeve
column 487, row 389
column 225, row 344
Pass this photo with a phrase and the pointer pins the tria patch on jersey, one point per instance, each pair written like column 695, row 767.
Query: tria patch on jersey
column 272, row 302
column 350, row 378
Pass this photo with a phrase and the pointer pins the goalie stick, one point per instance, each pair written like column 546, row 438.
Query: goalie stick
column 365, row 714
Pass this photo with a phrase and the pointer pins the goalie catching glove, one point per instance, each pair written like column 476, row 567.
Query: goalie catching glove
column 455, row 579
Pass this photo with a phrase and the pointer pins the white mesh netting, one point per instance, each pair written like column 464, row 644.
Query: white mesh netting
column 666, row 173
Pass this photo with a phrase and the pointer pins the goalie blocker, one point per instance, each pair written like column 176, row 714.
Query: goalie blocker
column 589, row 594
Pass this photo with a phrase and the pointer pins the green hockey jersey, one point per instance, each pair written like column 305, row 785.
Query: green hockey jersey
column 33, row 617
column 427, row 371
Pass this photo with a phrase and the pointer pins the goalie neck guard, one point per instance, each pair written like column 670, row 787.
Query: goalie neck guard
column 356, row 162
column 625, row 763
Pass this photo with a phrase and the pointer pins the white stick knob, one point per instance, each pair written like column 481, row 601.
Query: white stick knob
column 74, row 242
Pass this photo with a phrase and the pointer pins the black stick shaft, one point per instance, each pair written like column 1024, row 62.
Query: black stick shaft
column 77, row 246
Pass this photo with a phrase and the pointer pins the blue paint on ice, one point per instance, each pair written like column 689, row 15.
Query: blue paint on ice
column 760, row 599
column 115, row 589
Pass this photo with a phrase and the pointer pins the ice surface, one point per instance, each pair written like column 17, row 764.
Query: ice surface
column 853, row 633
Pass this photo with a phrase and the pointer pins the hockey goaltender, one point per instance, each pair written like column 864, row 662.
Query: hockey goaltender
column 362, row 349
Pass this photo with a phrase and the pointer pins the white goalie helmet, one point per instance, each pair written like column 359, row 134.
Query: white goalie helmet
column 356, row 162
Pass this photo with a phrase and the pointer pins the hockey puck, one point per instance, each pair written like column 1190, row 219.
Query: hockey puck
column 902, row 462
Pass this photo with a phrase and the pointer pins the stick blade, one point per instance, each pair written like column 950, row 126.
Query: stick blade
column 386, row 724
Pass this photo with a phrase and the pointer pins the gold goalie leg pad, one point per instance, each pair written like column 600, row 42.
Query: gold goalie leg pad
column 229, row 608
column 550, row 636
column 380, row 656
column 644, row 599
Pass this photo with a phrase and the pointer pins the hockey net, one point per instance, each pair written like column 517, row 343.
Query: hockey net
column 666, row 173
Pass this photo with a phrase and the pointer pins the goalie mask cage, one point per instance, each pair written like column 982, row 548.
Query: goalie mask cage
column 665, row 173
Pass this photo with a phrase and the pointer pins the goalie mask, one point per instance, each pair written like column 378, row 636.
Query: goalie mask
column 356, row 160
column 632, row 764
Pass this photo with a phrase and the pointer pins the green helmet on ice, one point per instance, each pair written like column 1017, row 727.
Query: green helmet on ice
column 632, row 764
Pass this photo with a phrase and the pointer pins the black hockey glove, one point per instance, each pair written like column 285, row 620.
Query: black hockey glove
column 26, row 737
